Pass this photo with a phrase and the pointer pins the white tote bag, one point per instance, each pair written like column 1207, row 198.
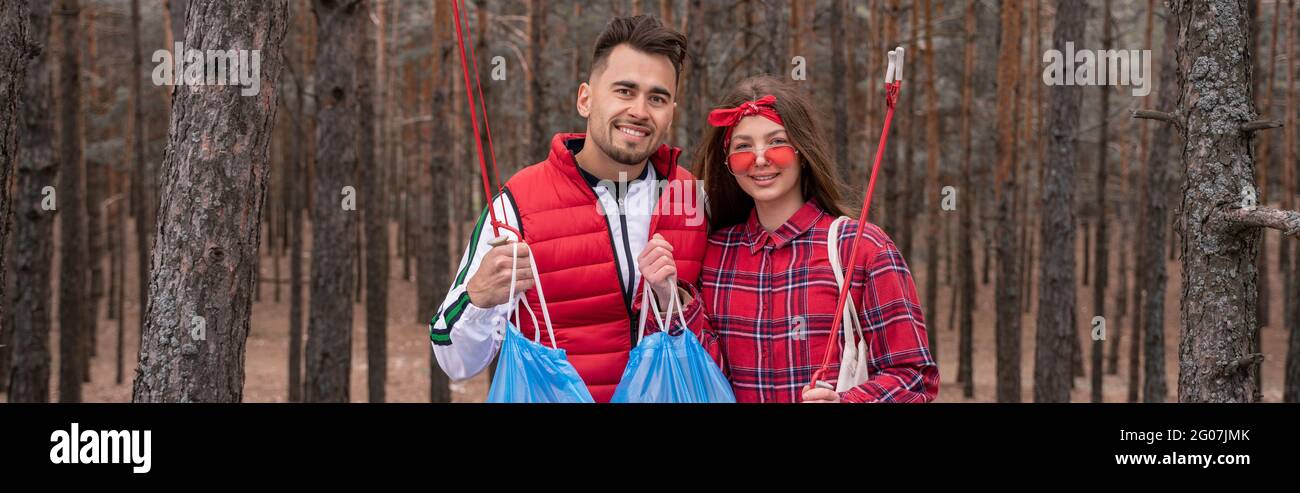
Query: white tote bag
column 856, row 354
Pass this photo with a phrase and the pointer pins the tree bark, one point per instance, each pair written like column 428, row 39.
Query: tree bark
column 1008, row 278
column 1291, row 384
column 838, row 89
column 438, row 272
column 376, row 221
column 25, row 92
column 329, row 325
column 1219, row 293
column 539, row 136
column 215, row 170
column 965, row 241
column 931, row 191
column 1152, row 275
column 298, row 203
column 73, row 318
column 1056, row 295
column 1101, row 274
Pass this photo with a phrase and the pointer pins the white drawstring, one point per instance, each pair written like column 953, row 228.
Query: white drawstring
column 650, row 303
column 537, row 283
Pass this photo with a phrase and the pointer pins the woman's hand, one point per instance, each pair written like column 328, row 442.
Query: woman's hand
column 658, row 267
column 818, row 395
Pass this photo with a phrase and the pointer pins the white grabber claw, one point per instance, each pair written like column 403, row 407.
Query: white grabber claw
column 894, row 73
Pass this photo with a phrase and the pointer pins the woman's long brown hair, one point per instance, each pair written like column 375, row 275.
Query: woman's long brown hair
column 728, row 204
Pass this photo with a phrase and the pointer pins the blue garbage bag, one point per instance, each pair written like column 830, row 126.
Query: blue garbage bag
column 527, row 371
column 671, row 369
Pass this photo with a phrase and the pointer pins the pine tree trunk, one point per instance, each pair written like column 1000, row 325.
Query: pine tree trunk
column 136, row 178
column 25, row 90
column 1291, row 384
column 298, row 203
column 838, row 89
column 968, row 204
column 1101, row 273
column 1219, row 294
column 1056, row 295
column 197, row 319
column 539, row 135
column 1008, row 278
column 329, row 325
column 908, row 132
column 376, row 221
column 441, row 163
column 931, row 190
column 73, row 319
column 1151, row 261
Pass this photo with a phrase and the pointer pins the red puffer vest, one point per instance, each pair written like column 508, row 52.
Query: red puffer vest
column 571, row 243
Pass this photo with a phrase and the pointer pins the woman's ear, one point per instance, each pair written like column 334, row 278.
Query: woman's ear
column 584, row 100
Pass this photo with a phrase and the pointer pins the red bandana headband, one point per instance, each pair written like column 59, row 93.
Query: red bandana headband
column 729, row 117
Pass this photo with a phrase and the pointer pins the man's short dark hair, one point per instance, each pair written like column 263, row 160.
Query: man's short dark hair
column 644, row 33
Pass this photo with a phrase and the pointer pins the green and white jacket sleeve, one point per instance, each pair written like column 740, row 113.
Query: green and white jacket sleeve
column 464, row 336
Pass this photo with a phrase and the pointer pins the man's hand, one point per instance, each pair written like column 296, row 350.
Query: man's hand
column 658, row 267
column 818, row 395
column 490, row 285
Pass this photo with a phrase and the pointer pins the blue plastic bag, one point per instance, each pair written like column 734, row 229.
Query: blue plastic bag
column 527, row 371
column 671, row 369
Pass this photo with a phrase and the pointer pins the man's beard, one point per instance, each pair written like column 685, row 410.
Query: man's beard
column 620, row 155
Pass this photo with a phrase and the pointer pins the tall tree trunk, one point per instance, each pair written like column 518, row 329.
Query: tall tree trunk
column 298, row 203
column 329, row 325
column 439, row 271
column 1008, row 279
column 695, row 76
column 1218, row 299
column 908, row 131
column 1158, row 182
column 1116, row 331
column 376, row 221
column 968, row 204
column 539, row 135
column 119, row 269
column 774, row 17
column 1291, row 384
column 931, row 191
column 95, row 170
column 1056, row 295
column 27, row 80
column 1101, row 277
column 197, row 319
column 137, row 193
column 838, row 89
column 73, row 314
column 141, row 201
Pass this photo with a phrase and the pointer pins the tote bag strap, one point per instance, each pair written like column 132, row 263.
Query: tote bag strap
column 850, row 311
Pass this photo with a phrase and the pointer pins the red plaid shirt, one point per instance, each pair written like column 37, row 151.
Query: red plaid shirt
column 768, row 298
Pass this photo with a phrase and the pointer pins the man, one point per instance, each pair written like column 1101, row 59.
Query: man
column 574, row 213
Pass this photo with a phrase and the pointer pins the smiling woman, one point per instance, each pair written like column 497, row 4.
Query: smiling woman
column 769, row 286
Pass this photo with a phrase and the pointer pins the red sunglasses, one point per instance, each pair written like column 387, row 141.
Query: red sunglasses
column 781, row 156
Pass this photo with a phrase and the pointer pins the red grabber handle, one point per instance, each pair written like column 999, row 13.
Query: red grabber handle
column 893, row 84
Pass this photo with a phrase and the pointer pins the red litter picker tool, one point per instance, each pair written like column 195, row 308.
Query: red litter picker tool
column 893, row 83
column 497, row 224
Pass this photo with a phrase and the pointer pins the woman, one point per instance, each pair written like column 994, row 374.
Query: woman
column 767, row 290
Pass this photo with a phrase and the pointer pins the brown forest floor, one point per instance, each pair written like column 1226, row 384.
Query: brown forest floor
column 266, row 378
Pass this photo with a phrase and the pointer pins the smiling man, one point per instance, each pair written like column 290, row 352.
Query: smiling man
column 571, row 211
